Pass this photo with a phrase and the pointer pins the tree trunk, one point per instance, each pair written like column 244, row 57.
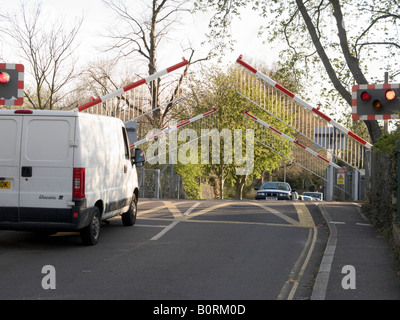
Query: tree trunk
column 352, row 62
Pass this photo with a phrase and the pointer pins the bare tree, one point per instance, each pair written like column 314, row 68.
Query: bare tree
column 48, row 51
column 141, row 35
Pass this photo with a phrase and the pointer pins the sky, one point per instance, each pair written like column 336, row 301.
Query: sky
column 97, row 18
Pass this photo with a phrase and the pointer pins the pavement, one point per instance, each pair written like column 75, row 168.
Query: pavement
column 358, row 262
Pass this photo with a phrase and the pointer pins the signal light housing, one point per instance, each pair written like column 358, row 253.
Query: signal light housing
column 376, row 102
column 11, row 84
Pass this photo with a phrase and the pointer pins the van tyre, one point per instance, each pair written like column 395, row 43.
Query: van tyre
column 129, row 217
column 90, row 234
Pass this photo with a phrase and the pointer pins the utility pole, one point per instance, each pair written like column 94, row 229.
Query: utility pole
column 386, row 122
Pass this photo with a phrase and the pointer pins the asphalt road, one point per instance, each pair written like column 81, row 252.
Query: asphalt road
column 178, row 250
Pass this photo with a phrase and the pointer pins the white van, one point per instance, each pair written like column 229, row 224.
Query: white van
column 65, row 171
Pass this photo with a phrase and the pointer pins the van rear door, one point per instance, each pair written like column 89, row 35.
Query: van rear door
column 10, row 146
column 47, row 149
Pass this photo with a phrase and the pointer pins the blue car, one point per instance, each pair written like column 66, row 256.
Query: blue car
column 274, row 191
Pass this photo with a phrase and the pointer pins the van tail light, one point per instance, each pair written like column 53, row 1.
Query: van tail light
column 78, row 189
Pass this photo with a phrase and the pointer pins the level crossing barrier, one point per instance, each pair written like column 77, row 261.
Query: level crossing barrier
column 303, row 119
column 131, row 86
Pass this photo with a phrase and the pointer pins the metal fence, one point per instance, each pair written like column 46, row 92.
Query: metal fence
column 160, row 184
column 302, row 122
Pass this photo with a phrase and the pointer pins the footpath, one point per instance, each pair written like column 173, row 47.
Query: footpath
column 358, row 263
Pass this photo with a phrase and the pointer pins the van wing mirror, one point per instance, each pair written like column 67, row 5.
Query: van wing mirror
column 139, row 158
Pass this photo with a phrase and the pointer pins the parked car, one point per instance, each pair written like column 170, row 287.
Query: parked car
column 274, row 191
column 319, row 196
column 306, row 198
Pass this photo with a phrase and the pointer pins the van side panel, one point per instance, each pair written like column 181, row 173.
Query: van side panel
column 101, row 152
column 10, row 145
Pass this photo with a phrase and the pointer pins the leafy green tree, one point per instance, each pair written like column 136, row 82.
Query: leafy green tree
column 220, row 86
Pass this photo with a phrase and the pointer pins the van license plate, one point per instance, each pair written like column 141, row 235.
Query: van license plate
column 5, row 184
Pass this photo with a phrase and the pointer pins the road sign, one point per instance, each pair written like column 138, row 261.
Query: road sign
column 342, row 170
column 340, row 178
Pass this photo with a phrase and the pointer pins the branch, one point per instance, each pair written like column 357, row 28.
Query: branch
column 380, row 43
column 322, row 54
column 352, row 62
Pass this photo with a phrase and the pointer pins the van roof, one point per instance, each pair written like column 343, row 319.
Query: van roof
column 38, row 113
column 55, row 113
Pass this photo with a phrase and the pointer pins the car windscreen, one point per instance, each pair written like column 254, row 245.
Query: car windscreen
column 275, row 185
column 313, row 194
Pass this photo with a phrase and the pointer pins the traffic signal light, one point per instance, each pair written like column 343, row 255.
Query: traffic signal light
column 376, row 102
column 11, row 84
column 4, row 77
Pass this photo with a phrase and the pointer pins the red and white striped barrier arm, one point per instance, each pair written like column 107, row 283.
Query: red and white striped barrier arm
column 173, row 128
column 132, row 86
column 303, row 103
column 315, row 154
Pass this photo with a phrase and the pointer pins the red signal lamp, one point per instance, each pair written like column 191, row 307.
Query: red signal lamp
column 4, row 77
column 365, row 96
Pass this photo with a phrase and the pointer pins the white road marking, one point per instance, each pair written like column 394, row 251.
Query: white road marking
column 364, row 224
column 149, row 226
column 158, row 236
column 174, row 210
column 191, row 209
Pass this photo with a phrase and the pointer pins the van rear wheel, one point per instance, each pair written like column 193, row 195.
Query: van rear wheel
column 129, row 217
column 90, row 234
